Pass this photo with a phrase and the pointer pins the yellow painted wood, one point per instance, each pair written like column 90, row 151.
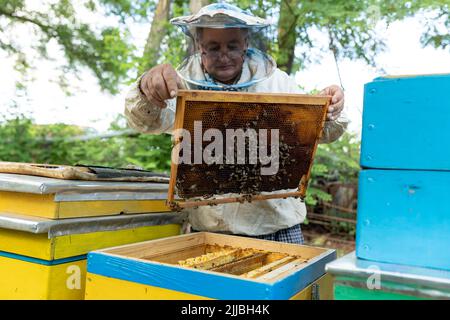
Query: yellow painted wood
column 72, row 245
column 24, row 280
column 325, row 284
column 104, row 208
column 44, row 206
column 67, row 281
column 39, row 246
column 105, row 288
column 27, row 244
column 40, row 205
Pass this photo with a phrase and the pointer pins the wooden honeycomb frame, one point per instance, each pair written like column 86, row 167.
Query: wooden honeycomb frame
column 306, row 115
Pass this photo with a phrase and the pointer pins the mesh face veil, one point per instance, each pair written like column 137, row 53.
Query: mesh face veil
column 223, row 56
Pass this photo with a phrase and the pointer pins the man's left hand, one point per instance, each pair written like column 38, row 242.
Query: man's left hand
column 337, row 101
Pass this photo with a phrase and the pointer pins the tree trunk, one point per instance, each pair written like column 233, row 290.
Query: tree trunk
column 196, row 5
column 158, row 31
column 287, row 34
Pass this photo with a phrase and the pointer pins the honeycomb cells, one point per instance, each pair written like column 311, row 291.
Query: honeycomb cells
column 298, row 127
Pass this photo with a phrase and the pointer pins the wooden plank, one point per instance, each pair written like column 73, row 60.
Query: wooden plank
column 41, row 205
column 283, row 270
column 44, row 170
column 268, row 267
column 105, row 288
column 72, row 245
column 178, row 124
column 305, row 178
column 200, row 95
column 159, row 246
column 44, row 206
column 243, row 265
column 88, row 173
column 40, row 247
column 74, row 209
column 193, row 204
column 175, row 256
column 20, row 280
column 302, row 251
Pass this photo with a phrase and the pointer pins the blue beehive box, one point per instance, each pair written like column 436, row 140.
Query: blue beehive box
column 404, row 217
column 406, row 123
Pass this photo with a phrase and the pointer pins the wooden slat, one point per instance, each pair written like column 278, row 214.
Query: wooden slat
column 175, row 256
column 199, row 95
column 179, row 119
column 305, row 252
column 159, row 246
column 282, row 271
column 268, row 267
column 243, row 265
column 193, row 204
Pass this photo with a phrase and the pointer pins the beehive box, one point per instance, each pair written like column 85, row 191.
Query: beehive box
column 208, row 266
column 405, row 123
column 404, row 218
column 291, row 124
column 357, row 279
column 60, row 199
column 46, row 259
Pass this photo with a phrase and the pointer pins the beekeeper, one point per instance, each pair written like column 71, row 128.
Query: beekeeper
column 225, row 60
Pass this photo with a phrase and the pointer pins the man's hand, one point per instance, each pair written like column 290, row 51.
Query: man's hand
column 159, row 84
column 337, row 101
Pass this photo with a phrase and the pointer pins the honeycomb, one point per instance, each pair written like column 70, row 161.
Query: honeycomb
column 248, row 262
column 299, row 126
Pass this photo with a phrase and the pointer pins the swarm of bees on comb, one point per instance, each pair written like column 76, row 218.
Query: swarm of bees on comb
column 244, row 262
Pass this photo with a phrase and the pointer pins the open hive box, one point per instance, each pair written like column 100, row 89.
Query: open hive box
column 278, row 129
column 207, row 265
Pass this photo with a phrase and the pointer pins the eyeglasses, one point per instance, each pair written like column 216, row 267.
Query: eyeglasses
column 215, row 53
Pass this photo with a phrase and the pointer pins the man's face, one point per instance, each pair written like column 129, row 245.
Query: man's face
column 223, row 52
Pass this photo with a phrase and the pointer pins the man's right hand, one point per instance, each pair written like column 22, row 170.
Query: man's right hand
column 159, row 84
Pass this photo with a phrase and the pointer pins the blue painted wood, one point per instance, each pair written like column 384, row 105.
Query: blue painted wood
column 202, row 283
column 168, row 277
column 404, row 217
column 406, row 123
column 41, row 261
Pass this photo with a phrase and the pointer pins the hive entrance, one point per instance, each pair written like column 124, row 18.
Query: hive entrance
column 293, row 123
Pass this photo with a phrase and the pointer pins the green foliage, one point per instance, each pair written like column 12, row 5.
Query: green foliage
column 349, row 25
column 339, row 162
column 24, row 141
column 103, row 49
column 437, row 28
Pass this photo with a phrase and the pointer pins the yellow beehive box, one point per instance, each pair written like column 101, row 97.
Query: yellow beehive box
column 186, row 266
column 59, row 199
column 46, row 259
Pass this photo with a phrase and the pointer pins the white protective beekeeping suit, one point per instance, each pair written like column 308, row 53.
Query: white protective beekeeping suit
column 259, row 74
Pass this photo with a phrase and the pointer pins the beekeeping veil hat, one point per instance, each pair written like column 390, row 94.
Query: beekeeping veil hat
column 258, row 65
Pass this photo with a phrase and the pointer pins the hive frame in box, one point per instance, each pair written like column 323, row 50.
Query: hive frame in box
column 196, row 96
column 131, row 266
